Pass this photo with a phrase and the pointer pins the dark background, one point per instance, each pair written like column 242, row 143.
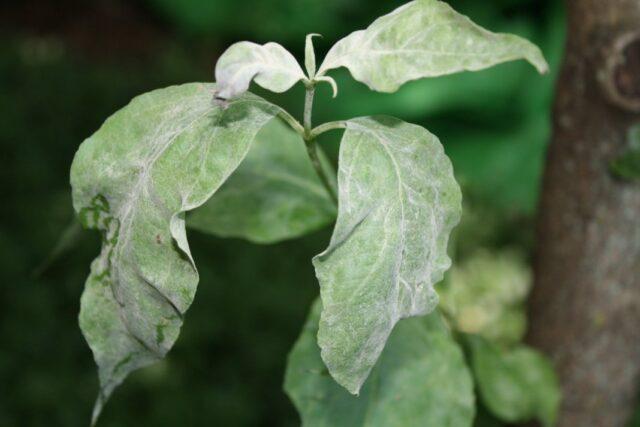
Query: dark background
column 65, row 66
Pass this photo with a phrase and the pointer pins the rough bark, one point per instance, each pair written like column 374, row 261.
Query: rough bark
column 585, row 307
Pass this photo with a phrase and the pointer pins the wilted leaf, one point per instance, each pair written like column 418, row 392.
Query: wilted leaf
column 270, row 65
column 163, row 154
column 421, row 379
column 485, row 295
column 398, row 202
column 274, row 195
column 424, row 38
column 517, row 384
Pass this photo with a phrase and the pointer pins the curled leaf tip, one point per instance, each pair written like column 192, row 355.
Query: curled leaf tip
column 331, row 81
column 219, row 100
column 270, row 66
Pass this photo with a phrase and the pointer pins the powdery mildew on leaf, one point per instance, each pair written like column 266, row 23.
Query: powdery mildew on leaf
column 165, row 153
column 424, row 38
column 421, row 379
column 273, row 195
column 398, row 202
column 270, row 65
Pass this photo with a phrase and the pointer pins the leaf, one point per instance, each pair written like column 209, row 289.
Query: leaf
column 516, row 385
column 163, row 154
column 398, row 202
column 485, row 295
column 270, row 65
column 424, row 38
column 310, row 55
column 420, row 379
column 274, row 195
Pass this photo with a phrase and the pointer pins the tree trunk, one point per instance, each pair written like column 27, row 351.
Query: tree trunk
column 585, row 307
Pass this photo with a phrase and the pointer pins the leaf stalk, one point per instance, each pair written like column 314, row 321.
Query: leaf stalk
column 311, row 144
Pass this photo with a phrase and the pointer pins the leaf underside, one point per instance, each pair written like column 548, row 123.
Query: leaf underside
column 424, row 38
column 163, row 154
column 420, row 379
column 398, row 202
column 274, row 194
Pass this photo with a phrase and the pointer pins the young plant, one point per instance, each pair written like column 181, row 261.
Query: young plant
column 242, row 160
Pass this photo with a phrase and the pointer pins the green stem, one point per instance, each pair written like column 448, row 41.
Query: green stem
column 308, row 107
column 325, row 127
column 312, row 150
column 295, row 125
column 312, row 146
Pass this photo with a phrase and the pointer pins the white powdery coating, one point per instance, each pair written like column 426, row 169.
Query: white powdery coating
column 398, row 202
column 424, row 38
column 271, row 65
column 165, row 153
column 421, row 379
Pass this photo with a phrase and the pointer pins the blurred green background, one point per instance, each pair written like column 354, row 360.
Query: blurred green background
column 66, row 65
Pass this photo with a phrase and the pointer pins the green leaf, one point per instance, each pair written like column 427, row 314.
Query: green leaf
column 516, row 385
column 398, row 202
column 424, row 38
column 485, row 295
column 274, row 195
column 420, row 379
column 270, row 65
column 163, row 154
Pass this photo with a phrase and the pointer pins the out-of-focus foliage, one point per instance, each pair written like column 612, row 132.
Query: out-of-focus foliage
column 516, row 384
column 494, row 125
column 485, row 295
column 281, row 20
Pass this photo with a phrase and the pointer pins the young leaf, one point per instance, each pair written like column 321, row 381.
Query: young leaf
column 165, row 153
column 420, row 379
column 398, row 202
column 274, row 195
column 270, row 65
column 310, row 55
column 424, row 38
column 516, row 385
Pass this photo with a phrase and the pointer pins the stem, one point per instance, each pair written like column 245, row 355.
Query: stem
column 292, row 122
column 312, row 150
column 308, row 108
column 312, row 146
column 325, row 127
